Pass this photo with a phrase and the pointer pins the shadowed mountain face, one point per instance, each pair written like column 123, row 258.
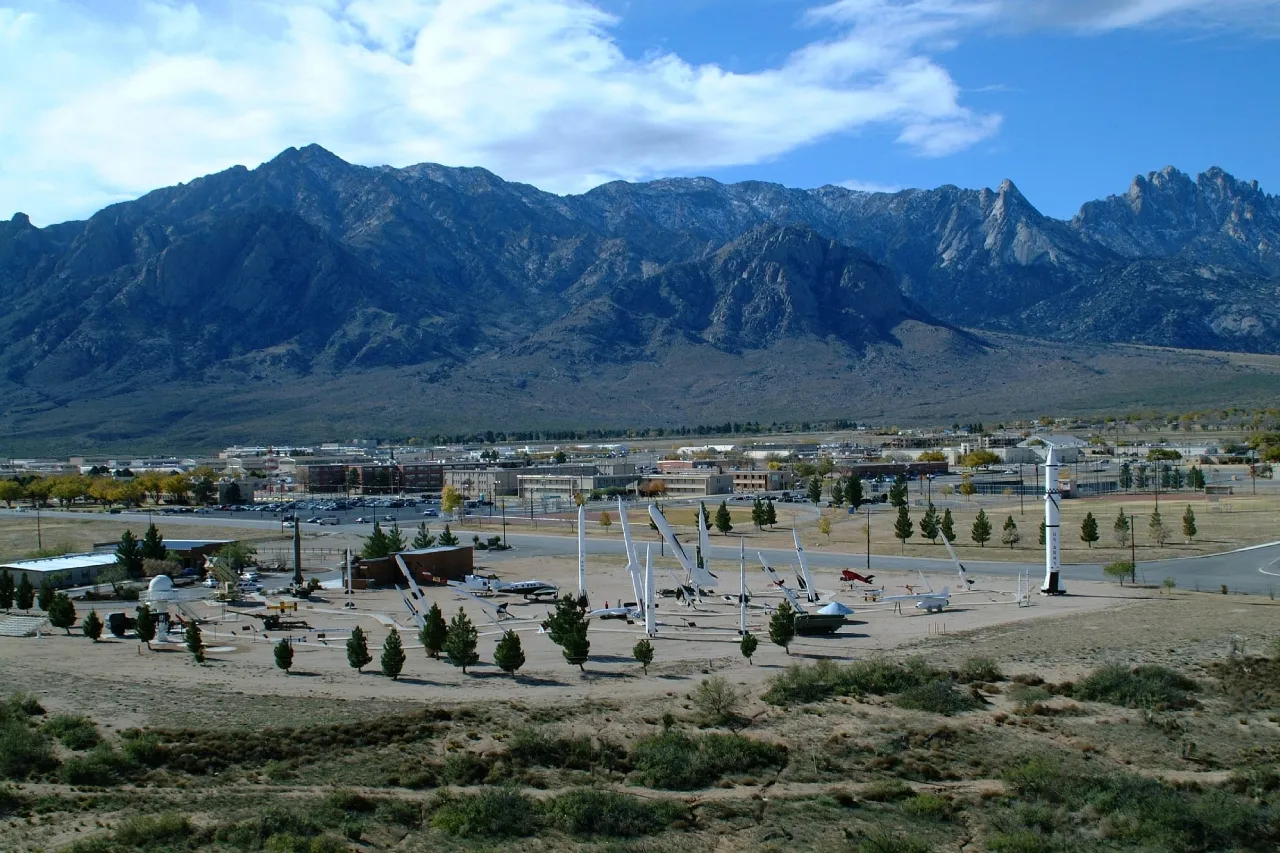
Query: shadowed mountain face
column 310, row 269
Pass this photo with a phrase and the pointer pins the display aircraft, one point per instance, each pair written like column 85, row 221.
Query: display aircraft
column 533, row 590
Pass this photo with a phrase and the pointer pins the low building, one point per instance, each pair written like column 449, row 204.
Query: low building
column 563, row 487
column 64, row 571
column 422, row 476
column 427, row 565
column 688, row 484
column 762, row 481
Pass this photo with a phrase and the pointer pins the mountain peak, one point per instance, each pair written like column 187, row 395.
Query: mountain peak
column 21, row 218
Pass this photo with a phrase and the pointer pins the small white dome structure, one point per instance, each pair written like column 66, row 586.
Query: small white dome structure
column 160, row 588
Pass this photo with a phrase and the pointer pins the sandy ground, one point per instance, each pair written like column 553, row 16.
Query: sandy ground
column 113, row 678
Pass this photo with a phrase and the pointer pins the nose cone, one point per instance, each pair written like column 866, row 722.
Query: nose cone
column 1050, row 460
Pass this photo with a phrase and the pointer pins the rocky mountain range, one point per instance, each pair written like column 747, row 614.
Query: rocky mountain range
column 308, row 271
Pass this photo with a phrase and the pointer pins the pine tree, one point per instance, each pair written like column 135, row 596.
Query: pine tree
column 898, row 492
column 981, row 530
column 567, row 627
column 194, row 641
column 25, row 594
column 724, row 520
column 1189, row 524
column 1089, row 529
column 129, row 555
column 782, row 626
column 434, row 631
column 770, row 513
column 461, row 642
column 1195, row 478
column 6, row 590
column 509, row 655
column 447, row 538
column 1177, row 479
column 152, row 547
column 392, row 655
column 948, row 525
column 837, row 492
column 376, row 544
column 1126, row 476
column 395, row 539
column 284, row 655
column 1010, row 535
column 92, row 626
column 358, row 656
column 1121, row 528
column 814, row 490
column 853, row 491
column 1140, row 478
column 757, row 514
column 748, row 646
column 145, row 625
column 62, row 613
column 903, row 529
column 1156, row 527
column 643, row 653
column 929, row 523
column 423, row 538
column 44, row 596
column 1040, row 536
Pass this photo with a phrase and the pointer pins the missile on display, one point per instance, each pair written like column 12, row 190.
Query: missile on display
column 1052, row 530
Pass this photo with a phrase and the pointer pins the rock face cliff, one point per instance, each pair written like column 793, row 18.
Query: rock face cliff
column 309, row 266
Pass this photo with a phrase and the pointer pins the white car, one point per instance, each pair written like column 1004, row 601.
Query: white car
column 210, row 582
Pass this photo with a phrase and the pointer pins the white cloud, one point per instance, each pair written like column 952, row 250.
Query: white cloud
column 536, row 90
column 869, row 186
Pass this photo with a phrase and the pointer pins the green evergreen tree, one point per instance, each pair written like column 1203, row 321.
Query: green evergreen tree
column 782, row 626
column 898, row 492
column 1156, row 527
column 748, row 646
column 567, row 627
column 929, row 527
column 853, row 491
column 948, row 525
column 724, row 519
column 1089, row 529
column 434, row 631
column 129, row 555
column 770, row 513
column 837, row 492
column 152, row 547
column 194, row 640
column 203, row 490
column 1121, row 528
column 1140, row 477
column 284, row 655
column 1195, row 478
column 358, row 656
column 1010, row 535
column 981, row 530
column 376, row 544
column 1189, row 529
column 757, row 514
column 509, row 654
column 92, row 626
column 447, row 539
column 814, row 490
column 423, row 538
column 25, row 594
column 1126, row 476
column 44, row 595
column 643, row 653
column 1177, row 479
column 903, row 529
column 395, row 539
column 461, row 642
column 62, row 613
column 145, row 625
column 6, row 590
column 392, row 655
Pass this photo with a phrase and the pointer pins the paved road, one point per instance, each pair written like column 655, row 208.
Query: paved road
column 1252, row 570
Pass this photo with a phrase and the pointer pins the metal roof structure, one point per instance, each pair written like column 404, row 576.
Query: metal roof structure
column 64, row 563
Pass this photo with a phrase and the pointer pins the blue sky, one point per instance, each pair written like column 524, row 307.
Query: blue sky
column 105, row 99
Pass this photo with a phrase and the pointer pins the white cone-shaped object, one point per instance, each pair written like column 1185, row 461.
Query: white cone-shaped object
column 1052, row 531
column 650, row 627
column 742, row 586
column 582, row 552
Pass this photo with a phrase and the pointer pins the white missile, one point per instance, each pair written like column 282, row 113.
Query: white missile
column 1052, row 531
column 582, row 552
column 742, row 586
column 650, row 628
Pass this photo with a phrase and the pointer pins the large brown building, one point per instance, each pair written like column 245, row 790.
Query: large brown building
column 427, row 565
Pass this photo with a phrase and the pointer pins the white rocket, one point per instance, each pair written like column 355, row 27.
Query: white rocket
column 582, row 552
column 1052, row 531
column 742, row 586
column 650, row 618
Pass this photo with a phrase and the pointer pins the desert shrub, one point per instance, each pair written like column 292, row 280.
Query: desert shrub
column 349, row 801
column 20, row 706
column 799, row 684
column 886, row 791
column 144, row 748
column 402, row 812
column 928, row 806
column 937, row 697
column 23, row 750
column 464, row 768
column 75, row 732
column 1141, row 687
column 289, row 824
column 102, row 766
column 10, row 801
column 586, row 811
column 825, row 678
column 540, row 747
column 883, row 842
column 1029, row 678
column 1025, row 696
column 882, row 677
column 717, row 703
column 979, row 669
column 148, row 831
column 494, row 812
column 678, row 762
column 287, row 843
column 1022, row 841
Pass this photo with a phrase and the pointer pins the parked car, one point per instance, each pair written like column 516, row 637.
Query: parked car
column 210, row 582
column 431, row 512
column 329, row 519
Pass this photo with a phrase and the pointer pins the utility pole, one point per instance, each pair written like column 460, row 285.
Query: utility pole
column 868, row 540
column 504, row 522
column 39, row 536
column 1022, row 510
column 1133, row 559
column 297, row 553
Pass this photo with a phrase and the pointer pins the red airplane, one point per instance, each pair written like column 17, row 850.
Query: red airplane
column 850, row 576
